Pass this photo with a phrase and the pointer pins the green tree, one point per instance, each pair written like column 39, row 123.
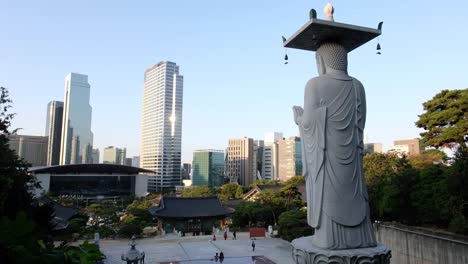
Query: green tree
column 293, row 224
column 273, row 200
column 198, row 191
column 240, row 191
column 295, row 181
column 445, row 119
column 387, row 186
column 457, row 178
column 228, row 191
column 427, row 159
column 252, row 214
column 430, row 195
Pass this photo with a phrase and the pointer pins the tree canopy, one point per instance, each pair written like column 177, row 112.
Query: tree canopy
column 445, row 119
column 198, row 191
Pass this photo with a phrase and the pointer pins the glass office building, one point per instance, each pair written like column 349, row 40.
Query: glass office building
column 77, row 138
column 208, row 168
column 54, row 131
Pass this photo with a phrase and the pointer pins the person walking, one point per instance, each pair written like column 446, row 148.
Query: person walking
column 234, row 235
column 225, row 235
column 214, row 237
column 253, row 245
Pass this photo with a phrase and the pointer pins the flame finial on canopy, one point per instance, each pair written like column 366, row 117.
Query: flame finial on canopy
column 329, row 10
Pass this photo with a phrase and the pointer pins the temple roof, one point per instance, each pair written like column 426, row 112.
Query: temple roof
column 62, row 213
column 89, row 168
column 177, row 207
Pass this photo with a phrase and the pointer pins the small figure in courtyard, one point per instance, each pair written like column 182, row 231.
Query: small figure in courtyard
column 214, row 239
column 253, row 245
column 221, row 257
column 216, row 257
column 234, row 235
column 225, row 235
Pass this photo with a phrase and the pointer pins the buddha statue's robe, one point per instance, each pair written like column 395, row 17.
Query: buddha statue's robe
column 331, row 128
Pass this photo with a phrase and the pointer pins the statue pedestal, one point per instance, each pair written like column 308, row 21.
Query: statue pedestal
column 303, row 252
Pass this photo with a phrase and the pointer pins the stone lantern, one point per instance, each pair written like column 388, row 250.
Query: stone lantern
column 133, row 256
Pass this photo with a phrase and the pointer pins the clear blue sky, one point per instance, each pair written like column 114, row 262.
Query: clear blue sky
column 231, row 56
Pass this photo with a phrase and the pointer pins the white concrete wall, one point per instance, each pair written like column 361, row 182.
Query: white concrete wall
column 416, row 247
column 141, row 185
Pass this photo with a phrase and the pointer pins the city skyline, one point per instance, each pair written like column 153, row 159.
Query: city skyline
column 220, row 66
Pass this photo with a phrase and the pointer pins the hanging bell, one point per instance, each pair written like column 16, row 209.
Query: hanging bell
column 378, row 46
column 286, row 57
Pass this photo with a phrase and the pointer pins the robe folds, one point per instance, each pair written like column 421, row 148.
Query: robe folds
column 331, row 129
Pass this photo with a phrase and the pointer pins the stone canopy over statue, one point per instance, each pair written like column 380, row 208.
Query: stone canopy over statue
column 331, row 126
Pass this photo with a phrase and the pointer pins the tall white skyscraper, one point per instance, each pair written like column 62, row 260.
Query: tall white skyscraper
column 77, row 138
column 161, row 125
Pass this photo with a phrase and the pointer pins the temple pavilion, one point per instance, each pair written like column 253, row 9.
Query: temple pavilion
column 196, row 215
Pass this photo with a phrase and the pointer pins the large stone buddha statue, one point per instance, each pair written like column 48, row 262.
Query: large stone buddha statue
column 331, row 126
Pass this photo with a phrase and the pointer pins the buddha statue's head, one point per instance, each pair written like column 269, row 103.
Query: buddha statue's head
column 331, row 56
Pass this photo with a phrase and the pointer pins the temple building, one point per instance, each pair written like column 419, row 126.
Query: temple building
column 195, row 215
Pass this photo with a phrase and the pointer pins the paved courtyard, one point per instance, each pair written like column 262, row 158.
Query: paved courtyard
column 201, row 250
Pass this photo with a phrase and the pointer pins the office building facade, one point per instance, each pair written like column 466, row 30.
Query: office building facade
column 208, row 168
column 96, row 156
column 33, row 149
column 77, row 138
column 409, row 147
column 241, row 164
column 113, row 155
column 187, row 169
column 161, row 126
column 54, row 131
column 289, row 158
column 373, row 148
column 270, row 156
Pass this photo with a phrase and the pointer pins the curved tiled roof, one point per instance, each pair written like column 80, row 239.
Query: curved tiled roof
column 89, row 168
column 176, row 207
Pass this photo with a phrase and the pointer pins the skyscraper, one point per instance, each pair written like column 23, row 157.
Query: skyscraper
column 208, row 168
column 113, row 155
column 161, row 125
column 77, row 138
column 289, row 157
column 270, row 156
column 241, row 161
column 54, row 131
column 95, row 154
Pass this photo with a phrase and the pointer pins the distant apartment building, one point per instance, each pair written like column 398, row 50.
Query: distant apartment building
column 290, row 158
column 186, row 169
column 270, row 170
column 408, row 146
column 77, row 139
column 113, row 155
column 136, row 161
column 241, row 164
column 373, row 148
column 208, row 168
column 161, row 126
column 96, row 156
column 33, row 149
column 54, row 131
